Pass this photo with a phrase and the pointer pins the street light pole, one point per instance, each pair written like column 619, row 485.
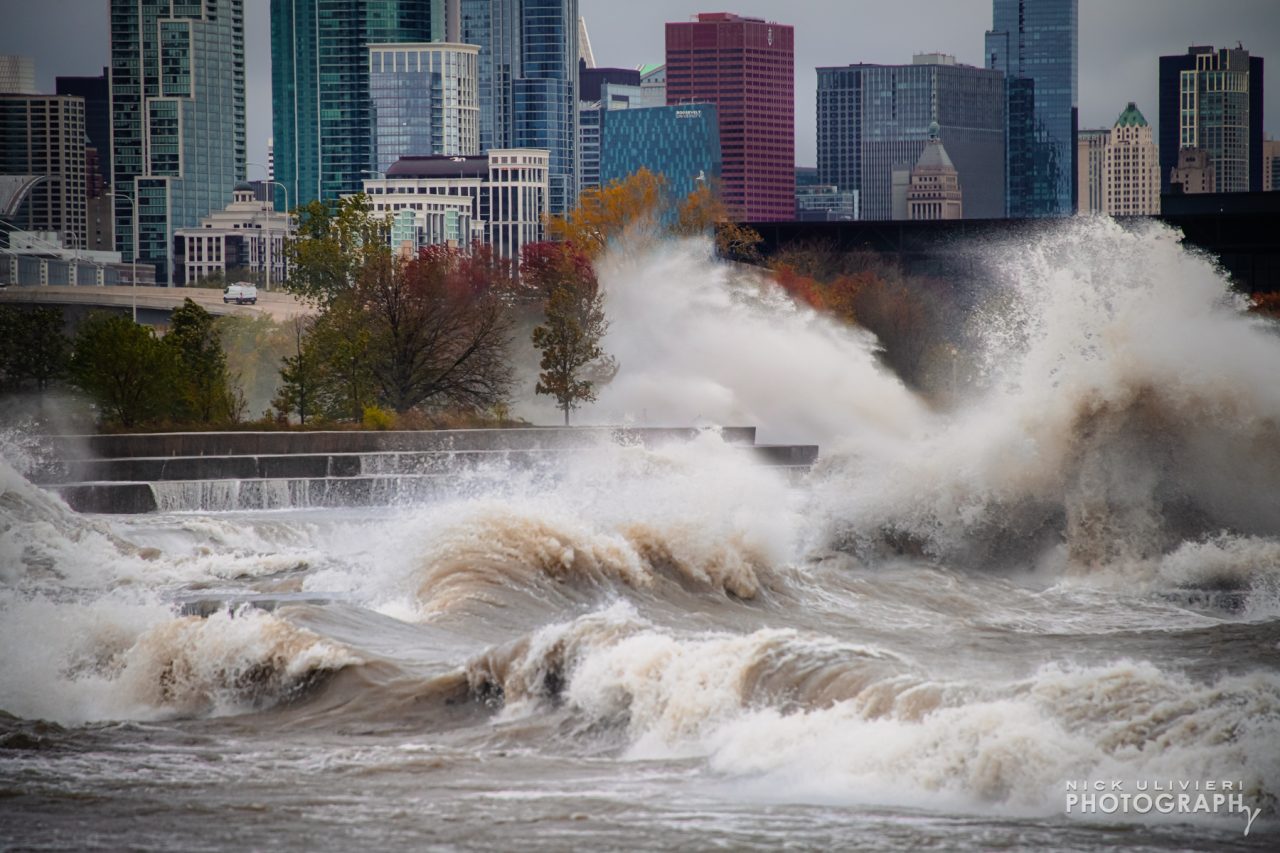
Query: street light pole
column 267, row 179
column 133, row 207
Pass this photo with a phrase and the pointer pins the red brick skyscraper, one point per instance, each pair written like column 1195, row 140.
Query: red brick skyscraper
column 745, row 66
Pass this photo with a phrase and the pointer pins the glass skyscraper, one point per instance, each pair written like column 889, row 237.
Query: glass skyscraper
column 178, row 117
column 873, row 118
column 424, row 100
column 322, row 122
column 681, row 143
column 528, row 73
column 1036, row 44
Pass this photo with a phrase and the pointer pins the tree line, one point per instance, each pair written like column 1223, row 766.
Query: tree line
column 422, row 338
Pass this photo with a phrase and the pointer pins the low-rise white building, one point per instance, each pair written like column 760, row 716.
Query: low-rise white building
column 499, row 198
column 248, row 236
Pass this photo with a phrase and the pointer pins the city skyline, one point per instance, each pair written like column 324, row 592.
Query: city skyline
column 1119, row 46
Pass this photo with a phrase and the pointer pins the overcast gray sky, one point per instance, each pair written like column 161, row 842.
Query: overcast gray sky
column 1119, row 43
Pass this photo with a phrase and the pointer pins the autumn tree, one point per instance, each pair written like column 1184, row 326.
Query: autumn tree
column 438, row 336
column 605, row 214
column 130, row 373
column 573, row 364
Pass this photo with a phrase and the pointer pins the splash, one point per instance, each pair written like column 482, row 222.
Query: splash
column 701, row 341
column 1126, row 407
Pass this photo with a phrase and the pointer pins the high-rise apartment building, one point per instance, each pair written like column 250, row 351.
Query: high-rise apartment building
column 1091, row 144
column 1212, row 99
column 875, row 118
column 322, row 119
column 43, row 135
column 96, row 92
column 1132, row 167
column 178, row 118
column 424, row 100
column 1036, row 44
column 745, row 66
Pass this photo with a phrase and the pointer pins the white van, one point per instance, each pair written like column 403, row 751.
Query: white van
column 240, row 293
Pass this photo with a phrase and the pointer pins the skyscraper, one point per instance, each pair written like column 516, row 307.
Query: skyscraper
column 875, row 118
column 178, row 118
column 1131, row 168
column 1036, row 44
column 424, row 101
column 1212, row 99
column 528, row 71
column 321, row 117
column 544, row 92
column 745, row 66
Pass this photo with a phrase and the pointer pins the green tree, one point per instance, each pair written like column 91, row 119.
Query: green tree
column 333, row 243
column 302, row 374
column 204, row 385
column 33, row 347
column 126, row 369
column 573, row 363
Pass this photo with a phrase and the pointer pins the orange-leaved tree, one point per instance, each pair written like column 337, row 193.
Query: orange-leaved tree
column 606, row 214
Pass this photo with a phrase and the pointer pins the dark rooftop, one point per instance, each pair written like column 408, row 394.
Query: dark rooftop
column 440, row 166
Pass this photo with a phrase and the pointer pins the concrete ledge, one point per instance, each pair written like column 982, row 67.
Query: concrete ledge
column 353, row 441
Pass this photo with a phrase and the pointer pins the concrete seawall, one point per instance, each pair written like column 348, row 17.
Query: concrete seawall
column 267, row 470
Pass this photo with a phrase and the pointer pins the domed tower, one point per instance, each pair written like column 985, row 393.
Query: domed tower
column 935, row 184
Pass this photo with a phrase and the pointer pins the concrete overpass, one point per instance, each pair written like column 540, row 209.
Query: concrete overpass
column 154, row 303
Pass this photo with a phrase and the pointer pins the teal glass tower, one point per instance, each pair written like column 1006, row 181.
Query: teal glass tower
column 1036, row 43
column 177, row 118
column 680, row 143
column 322, row 120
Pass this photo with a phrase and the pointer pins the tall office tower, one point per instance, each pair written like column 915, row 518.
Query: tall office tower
column 424, row 100
column 528, row 71
column 875, row 118
column 745, row 66
column 1091, row 144
column 1132, row 167
column 322, row 121
column 1212, row 99
column 44, row 135
column 177, row 118
column 18, row 75
column 1036, row 44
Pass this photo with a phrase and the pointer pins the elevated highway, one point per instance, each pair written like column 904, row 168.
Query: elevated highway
column 154, row 303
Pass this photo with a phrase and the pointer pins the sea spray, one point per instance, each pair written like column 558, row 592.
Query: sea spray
column 1126, row 407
